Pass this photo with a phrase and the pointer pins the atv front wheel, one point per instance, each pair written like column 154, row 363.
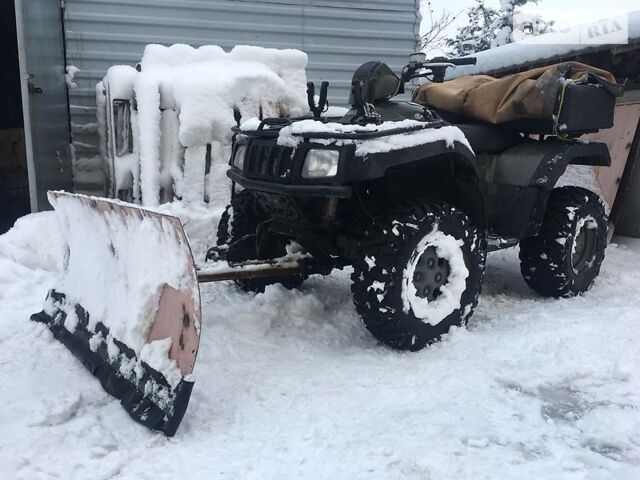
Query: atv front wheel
column 238, row 228
column 564, row 258
column 421, row 274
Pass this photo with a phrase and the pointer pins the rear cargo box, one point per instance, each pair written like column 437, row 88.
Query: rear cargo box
column 583, row 108
column 586, row 108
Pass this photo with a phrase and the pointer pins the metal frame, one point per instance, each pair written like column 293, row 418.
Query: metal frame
column 35, row 194
column 26, row 111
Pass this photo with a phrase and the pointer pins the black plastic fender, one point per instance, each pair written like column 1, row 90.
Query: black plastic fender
column 375, row 165
column 518, row 181
column 541, row 164
column 464, row 181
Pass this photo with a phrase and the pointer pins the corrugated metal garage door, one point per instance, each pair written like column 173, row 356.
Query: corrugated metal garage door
column 338, row 37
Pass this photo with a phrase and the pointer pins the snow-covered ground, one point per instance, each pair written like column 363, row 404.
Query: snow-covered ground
column 289, row 385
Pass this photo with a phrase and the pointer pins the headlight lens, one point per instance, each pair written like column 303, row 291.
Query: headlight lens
column 321, row 163
column 238, row 157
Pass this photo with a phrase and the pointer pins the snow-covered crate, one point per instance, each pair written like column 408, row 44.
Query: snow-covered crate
column 165, row 125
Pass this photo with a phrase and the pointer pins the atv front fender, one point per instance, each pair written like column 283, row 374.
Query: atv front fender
column 376, row 165
column 449, row 172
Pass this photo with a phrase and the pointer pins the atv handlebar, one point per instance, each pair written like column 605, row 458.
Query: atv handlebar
column 464, row 61
column 434, row 68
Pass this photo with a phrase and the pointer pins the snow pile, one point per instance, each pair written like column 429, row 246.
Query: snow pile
column 189, row 97
column 120, row 79
column 30, row 253
column 290, row 385
column 292, row 135
column 447, row 248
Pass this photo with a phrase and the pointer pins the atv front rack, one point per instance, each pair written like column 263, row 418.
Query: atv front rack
column 270, row 128
column 370, row 134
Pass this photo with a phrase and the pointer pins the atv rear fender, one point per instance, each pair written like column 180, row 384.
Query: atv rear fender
column 517, row 182
column 541, row 164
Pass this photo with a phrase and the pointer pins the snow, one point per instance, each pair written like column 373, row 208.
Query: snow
column 206, row 86
column 291, row 135
column 250, row 125
column 120, row 80
column 148, row 137
column 290, row 385
column 449, row 134
column 156, row 355
column 447, row 248
column 200, row 90
column 70, row 73
column 194, row 170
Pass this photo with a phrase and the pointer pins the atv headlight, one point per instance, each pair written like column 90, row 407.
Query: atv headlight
column 238, row 157
column 320, row 163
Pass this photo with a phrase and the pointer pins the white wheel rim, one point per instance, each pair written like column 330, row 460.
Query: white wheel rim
column 450, row 249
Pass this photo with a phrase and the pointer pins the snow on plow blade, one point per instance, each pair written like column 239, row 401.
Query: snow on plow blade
column 128, row 304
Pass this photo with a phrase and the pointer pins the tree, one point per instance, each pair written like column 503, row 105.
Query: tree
column 503, row 25
column 434, row 36
column 477, row 34
column 489, row 28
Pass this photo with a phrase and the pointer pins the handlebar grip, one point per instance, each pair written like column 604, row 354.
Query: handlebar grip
column 311, row 91
column 464, row 61
column 323, row 94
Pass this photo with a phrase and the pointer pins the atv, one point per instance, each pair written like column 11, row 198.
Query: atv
column 411, row 195
column 413, row 198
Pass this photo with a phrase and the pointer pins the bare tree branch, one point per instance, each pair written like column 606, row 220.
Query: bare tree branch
column 434, row 36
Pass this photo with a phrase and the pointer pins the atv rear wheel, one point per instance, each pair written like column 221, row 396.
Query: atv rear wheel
column 241, row 220
column 420, row 275
column 564, row 258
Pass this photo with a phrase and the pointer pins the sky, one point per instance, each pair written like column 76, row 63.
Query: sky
column 567, row 12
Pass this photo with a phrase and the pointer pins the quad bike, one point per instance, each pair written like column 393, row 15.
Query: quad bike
column 411, row 196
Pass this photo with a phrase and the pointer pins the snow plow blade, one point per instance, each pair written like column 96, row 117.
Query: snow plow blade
column 128, row 305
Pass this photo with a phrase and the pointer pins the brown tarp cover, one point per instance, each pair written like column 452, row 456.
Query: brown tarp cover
column 532, row 94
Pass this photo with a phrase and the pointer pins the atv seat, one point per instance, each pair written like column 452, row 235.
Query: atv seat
column 483, row 137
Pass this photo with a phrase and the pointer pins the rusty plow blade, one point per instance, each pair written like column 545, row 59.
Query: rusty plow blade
column 128, row 305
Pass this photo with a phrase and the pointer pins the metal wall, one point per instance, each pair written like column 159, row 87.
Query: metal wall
column 338, row 36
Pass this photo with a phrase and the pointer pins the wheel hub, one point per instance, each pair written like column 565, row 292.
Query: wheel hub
column 431, row 273
column 584, row 248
